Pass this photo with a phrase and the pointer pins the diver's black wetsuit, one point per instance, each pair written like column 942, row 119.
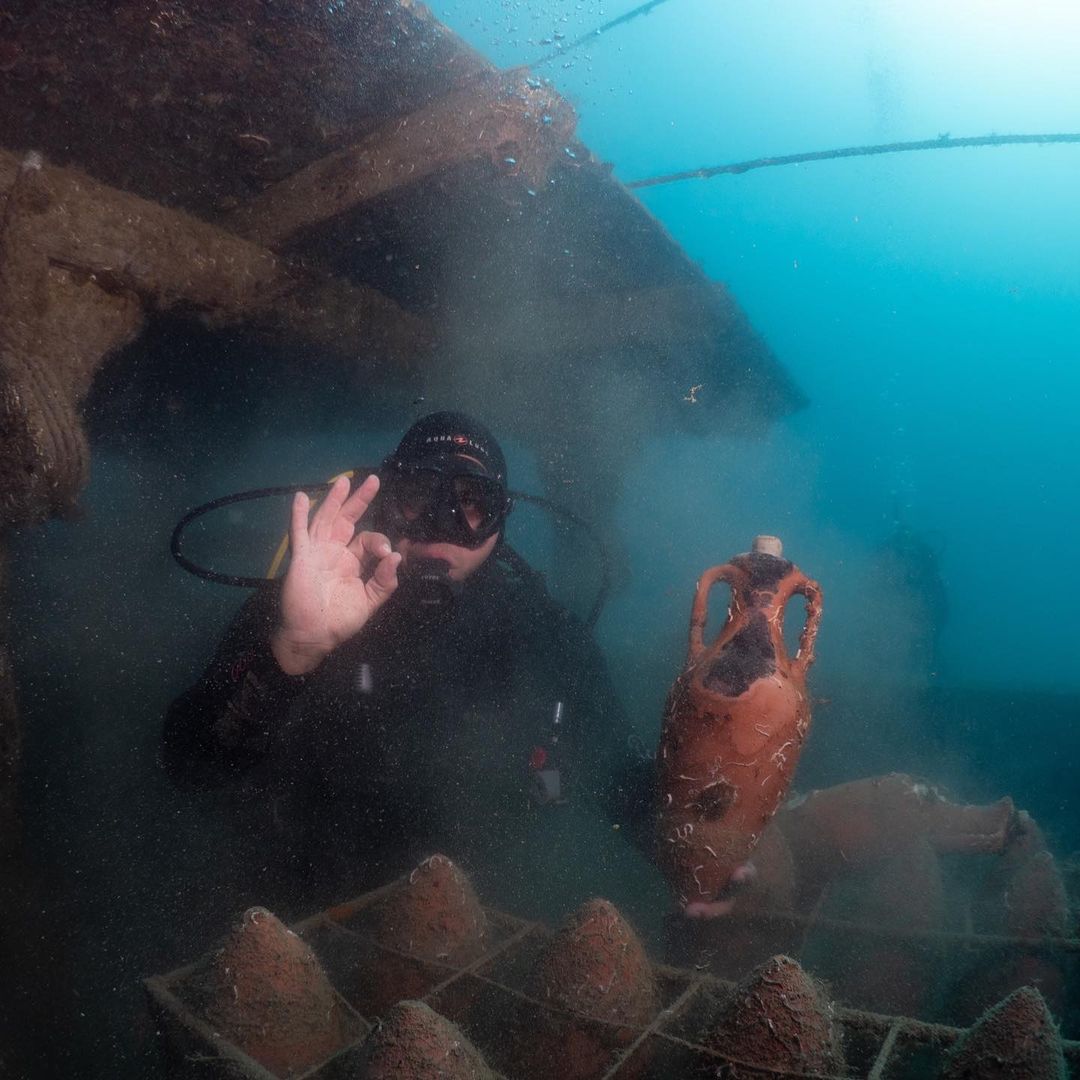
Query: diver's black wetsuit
column 426, row 729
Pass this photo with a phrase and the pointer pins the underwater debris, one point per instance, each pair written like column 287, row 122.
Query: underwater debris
column 1023, row 896
column 267, row 993
column 780, row 1019
column 433, row 916
column 1015, row 1038
column 850, row 826
column 415, row 1043
column 595, row 968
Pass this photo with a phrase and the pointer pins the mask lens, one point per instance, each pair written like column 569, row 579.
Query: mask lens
column 480, row 503
column 431, row 506
column 414, row 492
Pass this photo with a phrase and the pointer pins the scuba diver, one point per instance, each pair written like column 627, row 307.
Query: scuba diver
column 410, row 685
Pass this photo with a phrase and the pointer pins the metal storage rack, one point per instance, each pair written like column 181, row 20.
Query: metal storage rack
column 488, row 1000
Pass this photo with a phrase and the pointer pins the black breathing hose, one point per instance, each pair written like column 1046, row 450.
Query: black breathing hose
column 507, row 553
column 216, row 504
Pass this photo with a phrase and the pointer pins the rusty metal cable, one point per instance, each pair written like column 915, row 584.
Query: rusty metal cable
column 942, row 142
column 592, row 35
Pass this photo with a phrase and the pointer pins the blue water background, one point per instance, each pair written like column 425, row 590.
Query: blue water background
column 927, row 303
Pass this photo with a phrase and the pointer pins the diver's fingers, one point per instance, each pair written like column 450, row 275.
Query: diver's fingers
column 322, row 521
column 381, row 585
column 357, row 503
column 369, row 548
column 298, row 522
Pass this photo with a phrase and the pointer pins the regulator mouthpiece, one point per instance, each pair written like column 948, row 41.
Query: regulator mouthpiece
column 429, row 583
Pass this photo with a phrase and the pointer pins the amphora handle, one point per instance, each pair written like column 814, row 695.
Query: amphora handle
column 798, row 582
column 795, row 582
column 699, row 613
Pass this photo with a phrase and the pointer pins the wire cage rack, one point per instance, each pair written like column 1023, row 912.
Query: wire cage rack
column 489, row 1001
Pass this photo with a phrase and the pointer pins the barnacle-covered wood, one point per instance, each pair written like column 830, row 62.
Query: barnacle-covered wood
column 173, row 260
column 516, row 123
column 79, row 262
column 56, row 324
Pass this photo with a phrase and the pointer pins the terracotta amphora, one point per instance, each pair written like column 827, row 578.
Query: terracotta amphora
column 734, row 726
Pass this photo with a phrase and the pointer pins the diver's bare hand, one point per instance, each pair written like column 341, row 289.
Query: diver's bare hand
column 337, row 578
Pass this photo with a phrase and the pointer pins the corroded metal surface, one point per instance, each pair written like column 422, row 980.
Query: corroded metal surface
column 490, row 999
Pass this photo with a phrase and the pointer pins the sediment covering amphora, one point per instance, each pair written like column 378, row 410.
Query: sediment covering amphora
column 594, row 969
column 434, row 916
column 416, row 1043
column 267, row 993
column 1023, row 896
column 1016, row 1038
column 779, row 1019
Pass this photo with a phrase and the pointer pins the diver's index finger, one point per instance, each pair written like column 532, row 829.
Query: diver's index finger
column 298, row 522
column 357, row 503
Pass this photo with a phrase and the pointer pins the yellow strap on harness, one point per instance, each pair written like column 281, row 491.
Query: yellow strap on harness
column 283, row 547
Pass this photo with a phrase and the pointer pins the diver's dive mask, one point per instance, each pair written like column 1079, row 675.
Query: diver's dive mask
column 448, row 505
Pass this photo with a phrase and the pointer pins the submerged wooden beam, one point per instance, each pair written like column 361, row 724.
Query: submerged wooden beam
column 172, row 260
column 55, row 327
column 79, row 264
column 511, row 119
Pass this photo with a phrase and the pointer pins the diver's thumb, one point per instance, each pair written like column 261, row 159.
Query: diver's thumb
column 381, row 585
